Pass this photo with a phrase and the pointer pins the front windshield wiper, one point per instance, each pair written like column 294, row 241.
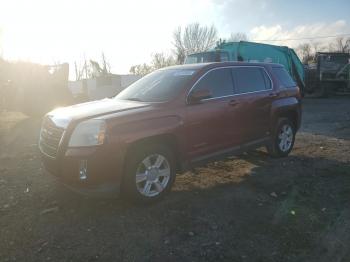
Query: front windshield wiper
column 134, row 99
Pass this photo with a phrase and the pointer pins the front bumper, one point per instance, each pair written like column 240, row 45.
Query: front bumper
column 103, row 168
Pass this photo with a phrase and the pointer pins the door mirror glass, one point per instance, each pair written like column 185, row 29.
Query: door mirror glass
column 200, row 94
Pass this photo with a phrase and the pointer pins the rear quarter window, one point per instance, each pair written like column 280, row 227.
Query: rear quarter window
column 283, row 76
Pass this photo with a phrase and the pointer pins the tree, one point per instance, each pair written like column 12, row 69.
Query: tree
column 331, row 47
column 100, row 69
column 106, row 67
column 142, row 69
column 78, row 71
column 82, row 70
column 316, row 46
column 96, row 70
column 342, row 45
column 193, row 38
column 159, row 60
column 305, row 53
column 92, row 68
column 236, row 37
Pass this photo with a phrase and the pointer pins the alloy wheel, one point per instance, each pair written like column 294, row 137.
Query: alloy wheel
column 152, row 175
column 285, row 138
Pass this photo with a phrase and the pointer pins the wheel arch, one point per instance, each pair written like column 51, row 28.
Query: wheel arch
column 289, row 108
column 169, row 140
column 290, row 114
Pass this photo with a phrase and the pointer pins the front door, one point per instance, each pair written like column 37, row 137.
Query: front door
column 207, row 125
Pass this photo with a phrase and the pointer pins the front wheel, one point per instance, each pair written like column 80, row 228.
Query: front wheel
column 283, row 138
column 149, row 174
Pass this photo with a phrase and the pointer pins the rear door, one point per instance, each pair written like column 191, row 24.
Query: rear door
column 254, row 93
column 207, row 125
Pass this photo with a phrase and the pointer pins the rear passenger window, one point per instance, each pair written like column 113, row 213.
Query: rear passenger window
column 218, row 81
column 283, row 76
column 250, row 79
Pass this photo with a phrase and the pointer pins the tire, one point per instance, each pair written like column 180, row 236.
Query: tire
column 285, row 130
column 154, row 182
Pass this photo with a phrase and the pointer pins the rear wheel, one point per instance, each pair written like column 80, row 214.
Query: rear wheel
column 150, row 173
column 283, row 138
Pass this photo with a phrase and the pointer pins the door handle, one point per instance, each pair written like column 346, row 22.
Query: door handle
column 272, row 95
column 233, row 103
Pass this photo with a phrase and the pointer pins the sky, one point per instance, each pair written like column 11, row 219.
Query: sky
column 129, row 32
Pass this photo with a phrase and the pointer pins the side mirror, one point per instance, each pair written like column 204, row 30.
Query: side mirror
column 197, row 95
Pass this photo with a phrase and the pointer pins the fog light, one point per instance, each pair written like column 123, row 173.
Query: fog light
column 83, row 170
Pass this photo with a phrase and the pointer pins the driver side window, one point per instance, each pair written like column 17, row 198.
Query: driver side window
column 218, row 82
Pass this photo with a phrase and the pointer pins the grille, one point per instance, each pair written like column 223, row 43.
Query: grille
column 50, row 138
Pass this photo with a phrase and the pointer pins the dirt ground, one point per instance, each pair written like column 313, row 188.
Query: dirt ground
column 247, row 208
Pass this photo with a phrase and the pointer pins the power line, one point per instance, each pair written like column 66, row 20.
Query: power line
column 303, row 38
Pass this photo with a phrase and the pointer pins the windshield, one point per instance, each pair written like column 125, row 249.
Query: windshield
column 159, row 86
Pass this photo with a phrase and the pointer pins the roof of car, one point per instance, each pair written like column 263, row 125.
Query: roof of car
column 200, row 66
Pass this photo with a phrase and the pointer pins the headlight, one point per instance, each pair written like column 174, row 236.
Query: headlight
column 88, row 133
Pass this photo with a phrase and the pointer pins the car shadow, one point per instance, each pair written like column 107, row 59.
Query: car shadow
column 251, row 206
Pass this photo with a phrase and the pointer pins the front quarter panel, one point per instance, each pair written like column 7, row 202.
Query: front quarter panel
column 123, row 135
column 133, row 131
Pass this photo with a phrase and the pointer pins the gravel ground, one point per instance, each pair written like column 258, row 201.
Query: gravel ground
column 246, row 208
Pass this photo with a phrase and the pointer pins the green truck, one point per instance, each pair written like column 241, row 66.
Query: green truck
column 254, row 52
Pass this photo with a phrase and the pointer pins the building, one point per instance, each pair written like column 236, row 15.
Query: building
column 100, row 87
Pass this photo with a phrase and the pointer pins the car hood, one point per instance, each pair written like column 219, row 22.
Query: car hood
column 64, row 115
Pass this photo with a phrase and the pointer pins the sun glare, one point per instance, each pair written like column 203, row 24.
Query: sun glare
column 66, row 31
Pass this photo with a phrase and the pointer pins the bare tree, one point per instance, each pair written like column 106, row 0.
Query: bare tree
column 96, row 69
column 316, row 46
column 239, row 36
column 192, row 39
column 86, row 69
column 305, row 52
column 78, row 71
column 161, row 60
column 142, row 69
column 342, row 45
column 347, row 45
column 106, row 67
column 92, row 68
column 82, row 70
column 331, row 47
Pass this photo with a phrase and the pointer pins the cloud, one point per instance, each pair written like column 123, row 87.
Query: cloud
column 307, row 31
column 240, row 16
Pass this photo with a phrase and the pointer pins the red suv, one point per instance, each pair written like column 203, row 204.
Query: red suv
column 167, row 122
